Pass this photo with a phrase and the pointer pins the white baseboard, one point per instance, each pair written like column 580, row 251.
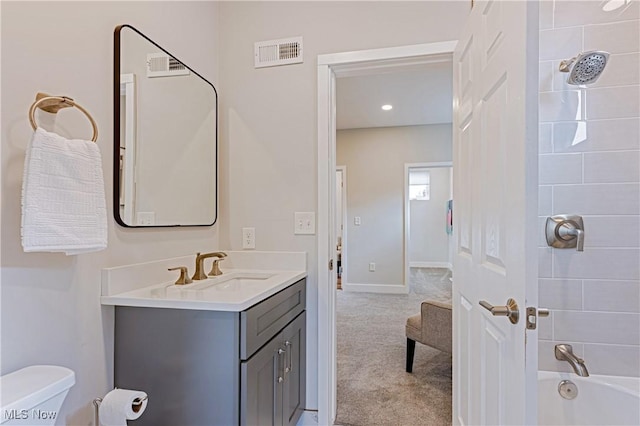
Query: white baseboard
column 430, row 265
column 376, row 288
column 308, row 418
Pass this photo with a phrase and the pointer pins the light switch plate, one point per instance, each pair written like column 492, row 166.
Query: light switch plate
column 357, row 221
column 304, row 223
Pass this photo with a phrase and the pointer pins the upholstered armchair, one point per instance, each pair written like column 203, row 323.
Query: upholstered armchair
column 431, row 327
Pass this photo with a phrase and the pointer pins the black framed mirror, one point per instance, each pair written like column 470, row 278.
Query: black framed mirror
column 165, row 137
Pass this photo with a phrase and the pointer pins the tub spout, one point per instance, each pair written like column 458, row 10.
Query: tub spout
column 564, row 352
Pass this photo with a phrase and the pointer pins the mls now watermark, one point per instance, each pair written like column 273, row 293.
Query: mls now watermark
column 29, row 415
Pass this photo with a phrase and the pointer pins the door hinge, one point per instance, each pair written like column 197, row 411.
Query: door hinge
column 533, row 314
column 331, row 265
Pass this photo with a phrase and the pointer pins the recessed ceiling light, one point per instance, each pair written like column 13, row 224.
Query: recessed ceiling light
column 387, row 107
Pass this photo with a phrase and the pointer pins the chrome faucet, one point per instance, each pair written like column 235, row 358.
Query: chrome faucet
column 200, row 274
column 564, row 352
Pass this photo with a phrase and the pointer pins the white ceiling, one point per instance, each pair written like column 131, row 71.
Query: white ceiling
column 419, row 96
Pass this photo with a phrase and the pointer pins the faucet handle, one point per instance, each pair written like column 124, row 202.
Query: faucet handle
column 184, row 275
column 565, row 231
column 568, row 231
column 215, row 267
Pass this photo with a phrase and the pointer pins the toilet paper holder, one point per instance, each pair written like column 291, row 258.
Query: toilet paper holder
column 96, row 407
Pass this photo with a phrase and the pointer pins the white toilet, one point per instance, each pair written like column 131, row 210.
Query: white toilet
column 34, row 395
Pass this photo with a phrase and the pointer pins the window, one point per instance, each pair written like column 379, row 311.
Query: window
column 419, row 184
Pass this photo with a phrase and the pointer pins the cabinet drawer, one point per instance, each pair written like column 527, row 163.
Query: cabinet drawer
column 261, row 322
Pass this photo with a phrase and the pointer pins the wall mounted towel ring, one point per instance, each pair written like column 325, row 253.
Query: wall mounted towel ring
column 53, row 104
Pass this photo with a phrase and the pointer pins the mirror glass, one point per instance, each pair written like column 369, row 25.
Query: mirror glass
column 165, row 137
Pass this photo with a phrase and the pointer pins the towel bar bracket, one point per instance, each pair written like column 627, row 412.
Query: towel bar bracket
column 53, row 104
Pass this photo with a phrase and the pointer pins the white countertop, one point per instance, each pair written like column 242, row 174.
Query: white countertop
column 213, row 294
column 258, row 274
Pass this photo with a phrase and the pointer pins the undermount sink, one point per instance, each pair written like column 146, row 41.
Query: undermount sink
column 235, row 281
column 232, row 284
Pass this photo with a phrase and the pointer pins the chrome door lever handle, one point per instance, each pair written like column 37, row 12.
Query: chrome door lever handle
column 510, row 310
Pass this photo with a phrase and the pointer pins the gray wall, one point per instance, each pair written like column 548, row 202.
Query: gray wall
column 594, row 295
column 375, row 160
column 268, row 116
column 428, row 239
column 50, row 309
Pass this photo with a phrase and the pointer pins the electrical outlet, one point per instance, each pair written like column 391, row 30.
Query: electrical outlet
column 357, row 221
column 372, row 267
column 248, row 238
column 146, row 218
column 304, row 223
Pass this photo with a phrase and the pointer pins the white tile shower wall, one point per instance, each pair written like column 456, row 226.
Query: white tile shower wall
column 590, row 165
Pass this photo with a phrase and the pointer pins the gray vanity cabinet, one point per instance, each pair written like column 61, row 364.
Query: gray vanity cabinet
column 274, row 379
column 215, row 368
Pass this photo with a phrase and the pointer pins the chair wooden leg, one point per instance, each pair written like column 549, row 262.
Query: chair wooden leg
column 411, row 348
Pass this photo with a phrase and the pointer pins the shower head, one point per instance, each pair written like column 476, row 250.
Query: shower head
column 585, row 68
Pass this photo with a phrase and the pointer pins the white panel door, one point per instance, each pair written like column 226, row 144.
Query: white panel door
column 495, row 193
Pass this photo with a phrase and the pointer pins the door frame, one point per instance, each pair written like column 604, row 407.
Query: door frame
column 407, row 216
column 343, row 258
column 331, row 66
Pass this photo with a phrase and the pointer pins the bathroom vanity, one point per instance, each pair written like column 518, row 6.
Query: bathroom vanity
column 205, row 359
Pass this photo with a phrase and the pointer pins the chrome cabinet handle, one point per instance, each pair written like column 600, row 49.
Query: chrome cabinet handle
column 510, row 310
column 288, row 366
column 280, row 376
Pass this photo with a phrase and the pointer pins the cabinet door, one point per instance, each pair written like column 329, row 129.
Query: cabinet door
column 294, row 343
column 262, row 379
column 273, row 382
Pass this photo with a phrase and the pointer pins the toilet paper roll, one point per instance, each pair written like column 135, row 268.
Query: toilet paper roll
column 121, row 405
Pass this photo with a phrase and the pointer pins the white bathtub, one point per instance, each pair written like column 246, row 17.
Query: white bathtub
column 601, row 400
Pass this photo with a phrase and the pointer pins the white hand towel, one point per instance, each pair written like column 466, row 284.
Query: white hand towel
column 63, row 202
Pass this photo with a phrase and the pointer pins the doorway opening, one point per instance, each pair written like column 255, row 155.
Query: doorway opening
column 331, row 67
column 429, row 228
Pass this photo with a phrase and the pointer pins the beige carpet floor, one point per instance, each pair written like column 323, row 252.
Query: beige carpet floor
column 373, row 387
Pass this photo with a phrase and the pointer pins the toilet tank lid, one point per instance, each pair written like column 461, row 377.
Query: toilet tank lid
column 30, row 386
